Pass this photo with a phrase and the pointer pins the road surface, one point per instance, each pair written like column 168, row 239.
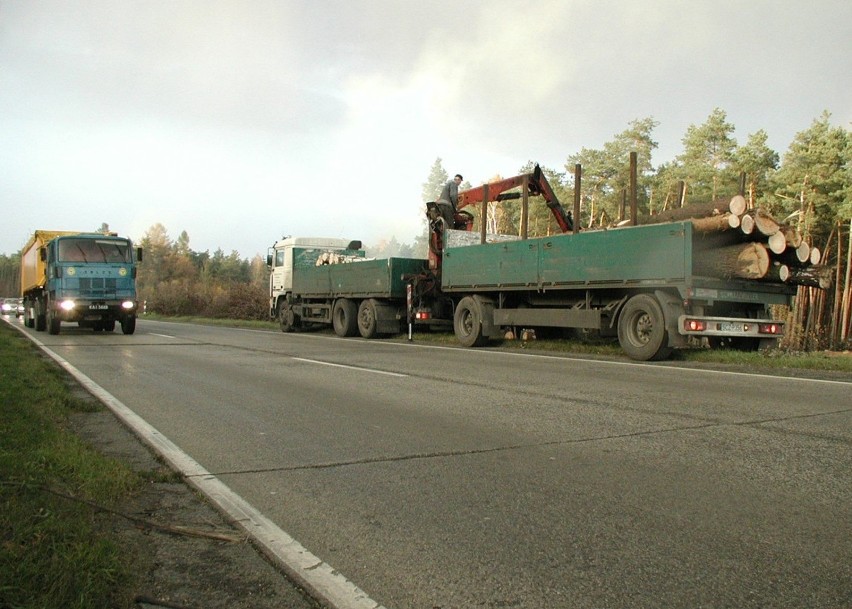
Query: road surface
column 451, row 478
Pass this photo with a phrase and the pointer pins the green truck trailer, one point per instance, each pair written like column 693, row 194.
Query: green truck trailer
column 655, row 287
column 316, row 281
column 638, row 283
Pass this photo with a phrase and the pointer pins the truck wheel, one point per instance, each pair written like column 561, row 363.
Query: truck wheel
column 53, row 323
column 367, row 324
column 109, row 326
column 29, row 321
column 128, row 324
column 642, row 329
column 287, row 318
column 40, row 322
column 467, row 323
column 344, row 317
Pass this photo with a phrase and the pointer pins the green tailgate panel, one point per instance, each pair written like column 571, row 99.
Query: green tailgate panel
column 652, row 254
column 382, row 278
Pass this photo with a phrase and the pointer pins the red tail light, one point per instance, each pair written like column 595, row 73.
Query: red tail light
column 694, row 325
column 769, row 328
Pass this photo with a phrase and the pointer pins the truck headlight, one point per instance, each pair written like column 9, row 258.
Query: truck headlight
column 67, row 305
column 127, row 305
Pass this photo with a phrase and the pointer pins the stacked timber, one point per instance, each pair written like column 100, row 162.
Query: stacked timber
column 733, row 241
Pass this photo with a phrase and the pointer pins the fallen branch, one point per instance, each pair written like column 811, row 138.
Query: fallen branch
column 142, row 522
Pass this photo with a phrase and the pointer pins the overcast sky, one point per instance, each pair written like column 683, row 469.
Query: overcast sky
column 241, row 121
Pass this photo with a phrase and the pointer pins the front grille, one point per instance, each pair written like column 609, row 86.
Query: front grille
column 97, row 286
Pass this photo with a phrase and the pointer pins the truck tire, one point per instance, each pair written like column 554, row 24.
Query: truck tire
column 29, row 321
column 467, row 323
column 40, row 322
column 128, row 324
column 344, row 317
column 367, row 322
column 287, row 318
column 642, row 329
column 53, row 323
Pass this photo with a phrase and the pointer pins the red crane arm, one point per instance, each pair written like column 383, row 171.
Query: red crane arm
column 538, row 186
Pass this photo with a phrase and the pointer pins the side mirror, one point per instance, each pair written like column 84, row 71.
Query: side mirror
column 138, row 254
column 269, row 260
column 42, row 254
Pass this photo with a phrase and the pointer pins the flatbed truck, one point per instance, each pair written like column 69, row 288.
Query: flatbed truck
column 642, row 284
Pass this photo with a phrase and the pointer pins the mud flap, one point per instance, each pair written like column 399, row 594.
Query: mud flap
column 486, row 306
column 672, row 310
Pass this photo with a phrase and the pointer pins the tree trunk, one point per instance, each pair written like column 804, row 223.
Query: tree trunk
column 712, row 224
column 737, row 206
column 777, row 243
column 815, row 256
column 687, row 212
column 744, row 260
column 847, row 290
column 747, row 224
column 800, row 256
column 778, row 273
column 811, row 276
column 765, row 224
column 792, row 235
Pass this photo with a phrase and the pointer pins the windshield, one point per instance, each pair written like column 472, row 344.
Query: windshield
column 93, row 250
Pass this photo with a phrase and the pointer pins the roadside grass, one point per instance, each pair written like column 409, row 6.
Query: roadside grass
column 774, row 359
column 55, row 552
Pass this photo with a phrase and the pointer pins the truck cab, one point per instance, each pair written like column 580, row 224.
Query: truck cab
column 301, row 251
column 88, row 278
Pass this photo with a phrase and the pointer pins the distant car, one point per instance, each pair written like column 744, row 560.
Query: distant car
column 8, row 306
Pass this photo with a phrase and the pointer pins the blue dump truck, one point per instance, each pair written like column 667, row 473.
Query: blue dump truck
column 87, row 278
column 655, row 286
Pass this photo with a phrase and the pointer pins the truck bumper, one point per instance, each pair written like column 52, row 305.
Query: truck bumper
column 94, row 310
column 733, row 327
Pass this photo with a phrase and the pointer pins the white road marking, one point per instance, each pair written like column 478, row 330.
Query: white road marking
column 163, row 335
column 374, row 371
column 318, row 577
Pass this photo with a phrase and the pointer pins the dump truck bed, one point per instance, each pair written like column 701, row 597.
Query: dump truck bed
column 380, row 278
column 32, row 266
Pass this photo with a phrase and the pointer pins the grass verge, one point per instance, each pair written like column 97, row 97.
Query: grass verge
column 54, row 552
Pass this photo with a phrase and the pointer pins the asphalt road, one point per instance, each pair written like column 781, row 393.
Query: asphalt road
column 453, row 478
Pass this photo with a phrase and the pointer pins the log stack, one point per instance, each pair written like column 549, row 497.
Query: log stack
column 733, row 241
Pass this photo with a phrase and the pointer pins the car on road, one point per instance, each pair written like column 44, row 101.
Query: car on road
column 10, row 306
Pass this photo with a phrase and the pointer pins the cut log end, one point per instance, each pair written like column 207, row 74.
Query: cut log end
column 815, row 257
column 777, row 243
column 737, row 206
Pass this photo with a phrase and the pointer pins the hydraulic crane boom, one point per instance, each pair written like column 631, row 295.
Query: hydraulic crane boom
column 538, row 186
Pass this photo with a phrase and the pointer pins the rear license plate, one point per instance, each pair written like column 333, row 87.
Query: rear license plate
column 731, row 327
column 98, row 307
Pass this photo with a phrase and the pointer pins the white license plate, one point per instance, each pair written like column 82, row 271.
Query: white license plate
column 99, row 307
column 726, row 326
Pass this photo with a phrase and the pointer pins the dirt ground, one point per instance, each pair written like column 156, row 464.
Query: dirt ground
column 181, row 570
